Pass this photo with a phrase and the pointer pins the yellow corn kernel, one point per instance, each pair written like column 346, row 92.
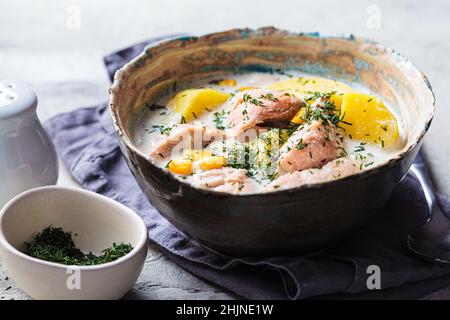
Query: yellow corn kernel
column 196, row 155
column 180, row 166
column 246, row 88
column 227, row 83
column 298, row 118
column 212, row 162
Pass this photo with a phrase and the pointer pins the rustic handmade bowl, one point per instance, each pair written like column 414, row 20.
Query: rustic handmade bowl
column 286, row 221
column 96, row 222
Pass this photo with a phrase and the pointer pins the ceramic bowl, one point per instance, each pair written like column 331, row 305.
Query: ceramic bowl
column 286, row 221
column 95, row 221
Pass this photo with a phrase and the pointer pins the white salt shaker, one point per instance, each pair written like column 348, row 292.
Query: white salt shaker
column 27, row 156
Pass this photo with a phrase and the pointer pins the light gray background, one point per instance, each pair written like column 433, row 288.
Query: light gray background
column 57, row 47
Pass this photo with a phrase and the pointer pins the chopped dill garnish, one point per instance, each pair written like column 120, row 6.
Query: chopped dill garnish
column 273, row 176
column 302, row 81
column 324, row 110
column 248, row 98
column 284, row 73
column 55, row 245
column 360, row 147
column 260, row 156
column 269, row 96
column 300, row 145
column 161, row 129
column 219, row 119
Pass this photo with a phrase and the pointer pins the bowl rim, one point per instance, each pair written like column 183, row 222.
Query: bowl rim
column 142, row 242
column 248, row 32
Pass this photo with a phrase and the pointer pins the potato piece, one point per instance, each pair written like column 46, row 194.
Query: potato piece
column 192, row 102
column 304, row 86
column 180, row 165
column 366, row 118
column 212, row 162
column 337, row 100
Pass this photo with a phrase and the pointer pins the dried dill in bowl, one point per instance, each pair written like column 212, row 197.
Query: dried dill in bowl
column 55, row 245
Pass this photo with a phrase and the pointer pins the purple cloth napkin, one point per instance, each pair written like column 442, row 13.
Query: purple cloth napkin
column 86, row 142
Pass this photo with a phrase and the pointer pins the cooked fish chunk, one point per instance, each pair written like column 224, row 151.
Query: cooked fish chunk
column 335, row 169
column 261, row 107
column 311, row 146
column 225, row 180
column 186, row 137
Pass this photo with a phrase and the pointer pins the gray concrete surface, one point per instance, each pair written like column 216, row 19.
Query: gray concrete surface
column 57, row 46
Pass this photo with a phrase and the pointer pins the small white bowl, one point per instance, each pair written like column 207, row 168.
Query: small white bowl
column 95, row 221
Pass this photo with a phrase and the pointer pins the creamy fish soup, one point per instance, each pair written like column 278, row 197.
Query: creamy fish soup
column 261, row 132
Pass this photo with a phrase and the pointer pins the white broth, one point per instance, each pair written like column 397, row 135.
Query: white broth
column 161, row 120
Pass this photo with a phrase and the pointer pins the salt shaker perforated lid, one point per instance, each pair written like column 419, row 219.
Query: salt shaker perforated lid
column 16, row 97
column 27, row 156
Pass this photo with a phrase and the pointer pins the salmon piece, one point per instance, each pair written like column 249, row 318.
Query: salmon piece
column 262, row 108
column 226, row 179
column 335, row 169
column 186, row 137
column 311, row 146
